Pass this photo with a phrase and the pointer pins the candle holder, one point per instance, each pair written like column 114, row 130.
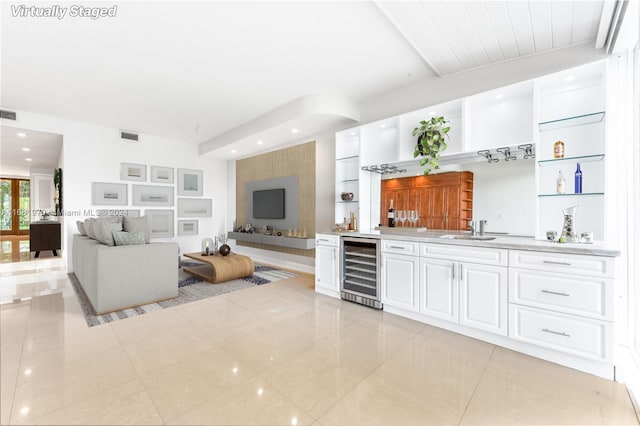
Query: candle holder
column 207, row 247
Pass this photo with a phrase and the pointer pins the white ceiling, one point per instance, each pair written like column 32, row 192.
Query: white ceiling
column 44, row 150
column 196, row 71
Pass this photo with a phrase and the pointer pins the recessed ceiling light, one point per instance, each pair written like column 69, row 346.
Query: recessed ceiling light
column 352, row 133
column 21, row 135
column 499, row 96
column 570, row 78
column 25, row 149
column 233, row 151
column 433, row 113
column 383, row 125
column 28, row 159
column 260, row 142
column 294, row 130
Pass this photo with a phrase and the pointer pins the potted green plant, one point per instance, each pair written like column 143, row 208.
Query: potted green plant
column 431, row 135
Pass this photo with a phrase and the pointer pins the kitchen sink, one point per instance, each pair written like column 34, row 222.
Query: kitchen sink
column 468, row 237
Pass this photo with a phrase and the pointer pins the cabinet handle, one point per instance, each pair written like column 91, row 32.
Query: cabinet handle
column 397, row 247
column 559, row 333
column 556, row 263
column 321, row 239
column 555, row 292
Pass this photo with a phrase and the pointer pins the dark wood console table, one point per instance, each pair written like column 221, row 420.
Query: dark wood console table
column 44, row 235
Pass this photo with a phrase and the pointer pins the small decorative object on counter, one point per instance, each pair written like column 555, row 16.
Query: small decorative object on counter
column 560, row 183
column 558, row 149
column 569, row 233
column 347, row 196
column 578, row 180
column 207, row 247
column 224, row 250
column 551, row 235
column 587, row 237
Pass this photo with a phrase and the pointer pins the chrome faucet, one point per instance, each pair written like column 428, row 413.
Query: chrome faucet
column 482, row 223
column 472, row 226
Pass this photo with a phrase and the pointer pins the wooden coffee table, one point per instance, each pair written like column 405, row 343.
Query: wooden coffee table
column 217, row 269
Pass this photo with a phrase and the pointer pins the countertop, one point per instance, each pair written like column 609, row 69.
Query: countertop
column 504, row 241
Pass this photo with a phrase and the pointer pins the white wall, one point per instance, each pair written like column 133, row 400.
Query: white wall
column 93, row 154
column 504, row 195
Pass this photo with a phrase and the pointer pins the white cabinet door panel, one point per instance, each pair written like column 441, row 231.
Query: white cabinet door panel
column 400, row 281
column 439, row 288
column 327, row 267
column 483, row 297
column 578, row 264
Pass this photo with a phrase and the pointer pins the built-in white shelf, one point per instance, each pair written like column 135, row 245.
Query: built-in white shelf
column 571, row 195
column 577, row 120
column 581, row 159
column 274, row 240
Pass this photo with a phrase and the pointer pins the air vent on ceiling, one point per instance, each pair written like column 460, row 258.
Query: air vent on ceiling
column 9, row 115
column 129, row 136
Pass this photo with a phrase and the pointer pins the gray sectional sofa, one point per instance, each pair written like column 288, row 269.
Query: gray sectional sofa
column 118, row 277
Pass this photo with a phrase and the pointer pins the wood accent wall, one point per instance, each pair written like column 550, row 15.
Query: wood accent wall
column 444, row 200
column 299, row 160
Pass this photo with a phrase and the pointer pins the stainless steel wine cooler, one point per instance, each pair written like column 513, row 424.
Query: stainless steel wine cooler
column 360, row 271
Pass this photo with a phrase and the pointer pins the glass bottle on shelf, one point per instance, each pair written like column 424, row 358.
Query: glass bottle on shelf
column 578, row 180
column 558, row 149
column 560, row 183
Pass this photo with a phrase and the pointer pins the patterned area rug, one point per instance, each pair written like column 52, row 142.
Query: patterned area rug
column 190, row 289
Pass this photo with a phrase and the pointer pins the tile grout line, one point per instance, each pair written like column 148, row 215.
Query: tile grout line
column 15, row 387
column 475, row 389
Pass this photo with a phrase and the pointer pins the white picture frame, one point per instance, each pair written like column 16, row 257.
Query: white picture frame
column 160, row 223
column 160, row 174
column 109, row 194
column 195, row 207
column 118, row 212
column 132, row 171
column 188, row 227
column 190, row 182
column 152, row 195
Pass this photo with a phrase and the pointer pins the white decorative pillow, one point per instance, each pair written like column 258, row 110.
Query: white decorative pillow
column 88, row 227
column 135, row 224
column 103, row 229
column 128, row 238
column 80, row 225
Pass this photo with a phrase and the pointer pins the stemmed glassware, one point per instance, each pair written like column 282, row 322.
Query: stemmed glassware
column 413, row 217
column 401, row 217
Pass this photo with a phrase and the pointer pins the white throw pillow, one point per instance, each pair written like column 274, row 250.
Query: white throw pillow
column 135, row 224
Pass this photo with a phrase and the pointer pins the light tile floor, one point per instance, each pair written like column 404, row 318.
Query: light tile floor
column 277, row 354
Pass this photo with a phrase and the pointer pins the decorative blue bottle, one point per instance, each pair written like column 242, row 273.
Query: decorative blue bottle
column 578, row 180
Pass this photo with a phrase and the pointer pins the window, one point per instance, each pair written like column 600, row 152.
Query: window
column 14, row 200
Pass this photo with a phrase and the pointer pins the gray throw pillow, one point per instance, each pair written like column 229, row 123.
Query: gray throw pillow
column 123, row 238
column 103, row 229
column 80, row 225
column 135, row 224
column 88, row 227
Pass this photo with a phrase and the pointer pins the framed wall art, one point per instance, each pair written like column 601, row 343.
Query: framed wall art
column 150, row 195
column 195, row 207
column 190, row 182
column 188, row 227
column 108, row 194
column 161, row 174
column 160, row 223
column 130, row 171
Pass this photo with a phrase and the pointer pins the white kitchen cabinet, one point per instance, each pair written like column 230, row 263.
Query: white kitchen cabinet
column 399, row 281
column 439, row 288
column 483, row 297
column 328, row 265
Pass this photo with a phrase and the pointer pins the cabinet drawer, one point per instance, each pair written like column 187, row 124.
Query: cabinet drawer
column 486, row 256
column 328, row 240
column 586, row 296
column 400, row 247
column 594, row 266
column 574, row 335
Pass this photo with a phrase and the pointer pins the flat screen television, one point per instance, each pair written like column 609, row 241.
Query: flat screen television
column 268, row 204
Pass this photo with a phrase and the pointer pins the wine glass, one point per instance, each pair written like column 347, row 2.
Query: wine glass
column 414, row 218
column 401, row 217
